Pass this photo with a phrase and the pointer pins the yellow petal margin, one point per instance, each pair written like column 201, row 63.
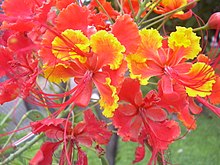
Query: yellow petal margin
column 71, row 45
column 201, row 80
column 109, row 103
column 187, row 39
column 108, row 49
column 58, row 73
column 151, row 41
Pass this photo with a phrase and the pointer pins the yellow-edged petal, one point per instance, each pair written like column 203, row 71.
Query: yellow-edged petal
column 58, row 73
column 187, row 39
column 107, row 48
column 109, row 98
column 201, row 80
column 71, row 45
column 136, row 69
column 150, row 39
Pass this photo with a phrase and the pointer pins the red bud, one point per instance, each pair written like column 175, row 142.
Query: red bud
column 214, row 21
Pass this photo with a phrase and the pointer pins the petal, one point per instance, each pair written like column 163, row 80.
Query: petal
column 117, row 76
column 139, row 154
column 108, row 49
column 200, row 80
column 83, row 98
column 6, row 57
column 187, row 39
column 162, row 134
column 96, row 129
column 106, row 6
column 19, row 41
column 215, row 96
column 151, row 40
column 130, row 95
column 156, row 114
column 60, row 4
column 8, row 91
column 25, row 7
column 81, row 157
column 108, row 92
column 142, row 71
column 128, row 122
column 45, row 154
column 53, row 128
column 73, row 17
column 58, row 73
column 129, row 37
column 72, row 44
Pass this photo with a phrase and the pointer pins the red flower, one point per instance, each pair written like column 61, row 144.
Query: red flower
column 142, row 120
column 96, row 58
column 84, row 133
column 19, row 65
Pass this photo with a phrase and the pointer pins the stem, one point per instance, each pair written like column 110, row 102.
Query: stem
column 11, row 111
column 205, row 27
column 153, row 23
column 164, row 21
column 142, row 8
column 149, row 12
column 22, row 149
column 17, row 126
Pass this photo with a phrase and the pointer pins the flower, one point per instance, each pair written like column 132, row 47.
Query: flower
column 89, row 58
column 166, row 6
column 167, row 60
column 84, row 133
column 143, row 120
column 19, row 66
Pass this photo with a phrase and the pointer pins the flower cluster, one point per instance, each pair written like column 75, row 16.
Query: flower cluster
column 114, row 51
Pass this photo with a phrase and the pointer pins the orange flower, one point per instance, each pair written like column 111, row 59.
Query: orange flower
column 168, row 61
column 166, row 6
column 96, row 58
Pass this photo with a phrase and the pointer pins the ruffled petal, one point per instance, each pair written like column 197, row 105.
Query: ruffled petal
column 107, row 49
column 108, row 93
column 73, row 17
column 72, row 44
column 129, row 37
column 187, row 39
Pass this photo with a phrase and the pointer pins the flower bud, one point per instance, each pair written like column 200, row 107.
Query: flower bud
column 214, row 21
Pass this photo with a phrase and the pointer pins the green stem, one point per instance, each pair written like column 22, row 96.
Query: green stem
column 205, row 27
column 10, row 112
column 153, row 23
column 22, row 149
column 17, row 126
column 149, row 12
column 164, row 21
column 142, row 8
